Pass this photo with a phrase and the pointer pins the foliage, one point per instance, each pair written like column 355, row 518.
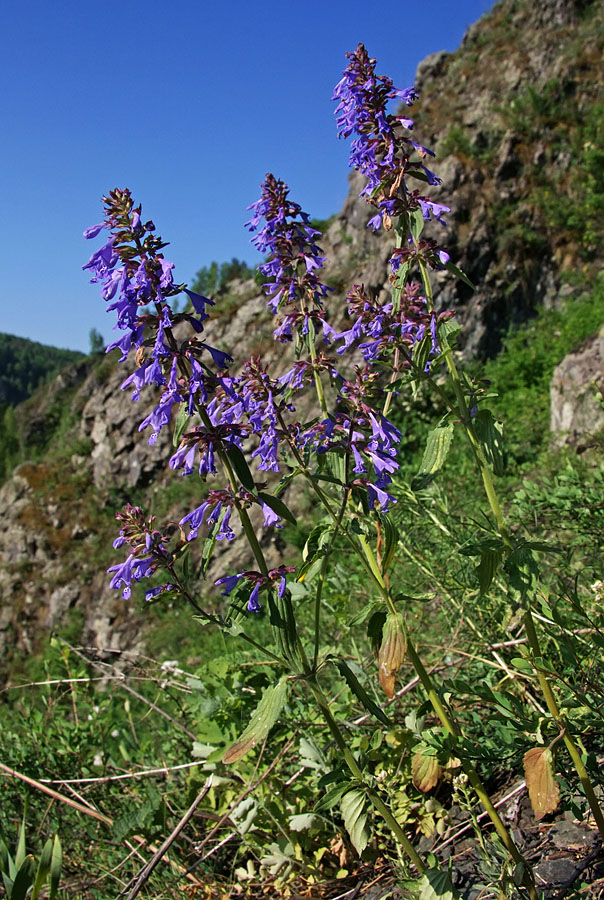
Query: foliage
column 25, row 365
column 212, row 280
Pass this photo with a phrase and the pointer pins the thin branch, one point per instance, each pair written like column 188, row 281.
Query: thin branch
column 106, row 820
column 102, row 779
column 249, row 790
column 143, row 876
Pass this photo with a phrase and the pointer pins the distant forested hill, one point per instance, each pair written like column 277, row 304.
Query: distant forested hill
column 25, row 365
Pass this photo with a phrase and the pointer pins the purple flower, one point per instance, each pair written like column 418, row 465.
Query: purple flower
column 229, row 582
column 294, row 257
column 253, row 604
column 93, row 230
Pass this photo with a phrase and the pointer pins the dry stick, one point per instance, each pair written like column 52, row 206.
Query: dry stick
column 145, row 873
column 102, row 779
column 249, row 790
column 106, row 820
column 134, row 693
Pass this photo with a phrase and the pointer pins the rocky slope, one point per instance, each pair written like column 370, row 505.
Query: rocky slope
column 504, row 112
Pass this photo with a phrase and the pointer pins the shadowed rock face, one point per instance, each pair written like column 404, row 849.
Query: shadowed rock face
column 492, row 156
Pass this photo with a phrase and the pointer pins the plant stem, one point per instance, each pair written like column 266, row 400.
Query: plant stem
column 557, row 716
column 356, row 771
column 451, row 727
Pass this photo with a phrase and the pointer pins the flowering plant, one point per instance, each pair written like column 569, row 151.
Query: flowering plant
column 235, row 421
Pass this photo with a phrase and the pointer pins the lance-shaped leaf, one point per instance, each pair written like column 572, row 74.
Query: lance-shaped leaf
column 425, row 770
column 181, row 421
column 241, row 468
column 353, row 807
column 490, row 434
column 392, row 652
column 416, row 223
column 543, row 789
column 488, row 565
column 421, row 353
column 264, row 717
column 278, row 506
column 455, row 270
column 389, row 540
column 359, row 691
column 23, row 879
column 435, row 454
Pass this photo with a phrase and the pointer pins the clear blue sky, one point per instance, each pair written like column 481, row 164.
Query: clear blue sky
column 186, row 102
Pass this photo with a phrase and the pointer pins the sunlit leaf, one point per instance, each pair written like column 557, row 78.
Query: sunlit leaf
column 180, row 423
column 264, row 717
column 490, row 435
column 435, row 884
column 435, row 454
column 353, row 807
column 425, row 770
column 302, row 822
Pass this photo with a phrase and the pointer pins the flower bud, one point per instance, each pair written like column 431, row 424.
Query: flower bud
column 392, row 652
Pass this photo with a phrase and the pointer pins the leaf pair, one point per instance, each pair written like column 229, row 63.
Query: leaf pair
column 20, row 875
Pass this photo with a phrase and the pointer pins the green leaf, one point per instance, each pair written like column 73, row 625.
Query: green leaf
column 23, row 879
column 455, row 270
column 20, row 852
column 43, row 869
column 486, row 569
column 354, row 814
column 317, row 539
column 331, row 797
column 308, row 570
column 264, row 717
column 435, row 884
column 359, row 691
column 297, row 590
column 180, row 423
column 437, row 448
column 421, row 353
column 519, row 662
column 490, row 435
column 448, row 331
column 277, row 506
column 241, row 468
column 302, row 822
column 310, row 755
column 390, row 540
column 416, row 223
column 286, row 481
column 375, row 627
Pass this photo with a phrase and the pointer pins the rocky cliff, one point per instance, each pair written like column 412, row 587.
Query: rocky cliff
column 509, row 115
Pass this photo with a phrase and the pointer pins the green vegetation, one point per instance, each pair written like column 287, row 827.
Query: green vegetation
column 212, row 281
column 130, row 740
column 79, row 720
column 25, row 365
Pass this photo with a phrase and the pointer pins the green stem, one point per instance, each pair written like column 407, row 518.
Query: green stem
column 557, row 716
column 356, row 771
column 451, row 727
